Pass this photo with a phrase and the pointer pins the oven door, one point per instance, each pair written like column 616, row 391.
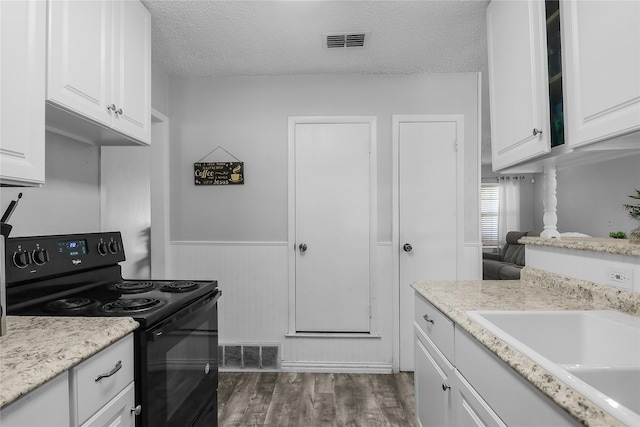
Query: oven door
column 178, row 372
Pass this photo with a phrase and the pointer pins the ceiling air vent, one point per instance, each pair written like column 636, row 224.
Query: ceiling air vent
column 337, row 40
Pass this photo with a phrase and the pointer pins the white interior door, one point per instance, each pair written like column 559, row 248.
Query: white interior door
column 332, row 232
column 429, row 155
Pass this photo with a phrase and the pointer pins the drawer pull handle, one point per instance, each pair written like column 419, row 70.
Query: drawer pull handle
column 111, row 372
column 136, row 410
column 426, row 319
column 445, row 387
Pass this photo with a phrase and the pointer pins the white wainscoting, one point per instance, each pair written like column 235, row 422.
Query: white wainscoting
column 254, row 305
column 253, row 279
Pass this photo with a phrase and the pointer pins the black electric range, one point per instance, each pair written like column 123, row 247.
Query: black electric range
column 80, row 275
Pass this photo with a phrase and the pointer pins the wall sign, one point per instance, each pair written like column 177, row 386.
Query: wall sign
column 218, row 173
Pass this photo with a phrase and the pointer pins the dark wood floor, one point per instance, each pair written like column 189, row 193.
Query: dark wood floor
column 315, row 400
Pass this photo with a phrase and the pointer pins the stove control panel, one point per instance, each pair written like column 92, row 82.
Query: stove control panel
column 28, row 258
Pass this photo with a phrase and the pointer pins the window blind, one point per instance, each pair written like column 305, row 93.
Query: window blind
column 489, row 208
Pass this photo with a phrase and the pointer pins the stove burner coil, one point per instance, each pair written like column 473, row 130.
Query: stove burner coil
column 133, row 287
column 179, row 287
column 132, row 305
column 70, row 304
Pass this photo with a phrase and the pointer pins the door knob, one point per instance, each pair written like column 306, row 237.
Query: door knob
column 407, row 247
column 302, row 247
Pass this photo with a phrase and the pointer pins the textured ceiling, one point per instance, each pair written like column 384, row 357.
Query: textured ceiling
column 244, row 37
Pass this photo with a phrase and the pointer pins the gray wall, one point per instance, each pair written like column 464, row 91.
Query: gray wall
column 69, row 201
column 248, row 117
column 160, row 90
column 590, row 197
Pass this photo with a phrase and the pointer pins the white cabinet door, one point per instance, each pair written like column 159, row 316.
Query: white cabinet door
column 22, row 87
column 79, row 60
column 48, row 405
column 602, row 69
column 131, row 79
column 119, row 412
column 469, row 409
column 433, row 376
column 518, row 81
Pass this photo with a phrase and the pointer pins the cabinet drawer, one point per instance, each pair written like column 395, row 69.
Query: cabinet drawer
column 92, row 394
column 435, row 325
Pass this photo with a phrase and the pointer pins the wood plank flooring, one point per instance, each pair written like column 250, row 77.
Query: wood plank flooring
column 315, row 400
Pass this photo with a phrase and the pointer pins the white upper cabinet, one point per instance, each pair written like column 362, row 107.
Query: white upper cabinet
column 518, row 81
column 602, row 69
column 99, row 71
column 22, row 88
column 131, row 77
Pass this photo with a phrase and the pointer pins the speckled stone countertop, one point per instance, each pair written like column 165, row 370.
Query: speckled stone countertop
column 37, row 349
column 537, row 290
column 610, row 246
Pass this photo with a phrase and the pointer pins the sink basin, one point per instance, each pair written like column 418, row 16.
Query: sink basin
column 597, row 353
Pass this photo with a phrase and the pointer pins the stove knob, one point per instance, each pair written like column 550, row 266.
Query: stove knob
column 102, row 248
column 40, row 256
column 21, row 259
column 114, row 247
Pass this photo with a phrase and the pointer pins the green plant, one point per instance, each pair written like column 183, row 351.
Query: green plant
column 618, row 235
column 633, row 210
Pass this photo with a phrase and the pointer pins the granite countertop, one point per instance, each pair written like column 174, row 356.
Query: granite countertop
column 537, row 290
column 37, row 349
column 593, row 244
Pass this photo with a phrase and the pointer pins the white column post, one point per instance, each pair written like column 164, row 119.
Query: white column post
column 550, row 203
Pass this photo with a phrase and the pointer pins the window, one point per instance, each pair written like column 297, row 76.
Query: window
column 489, row 209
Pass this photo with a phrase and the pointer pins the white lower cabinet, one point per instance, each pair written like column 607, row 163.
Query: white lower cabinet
column 48, row 405
column 99, row 381
column 98, row 392
column 459, row 382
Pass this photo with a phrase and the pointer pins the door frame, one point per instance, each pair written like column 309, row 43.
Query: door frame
column 373, row 215
column 458, row 119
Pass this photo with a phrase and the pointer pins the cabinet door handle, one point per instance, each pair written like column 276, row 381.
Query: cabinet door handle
column 111, row 107
column 536, row 131
column 445, row 387
column 111, row 372
column 136, row 410
column 426, row 319
column 119, row 111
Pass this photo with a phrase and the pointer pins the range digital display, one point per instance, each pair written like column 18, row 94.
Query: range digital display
column 73, row 248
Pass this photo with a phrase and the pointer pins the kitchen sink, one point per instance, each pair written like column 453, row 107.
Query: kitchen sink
column 597, row 353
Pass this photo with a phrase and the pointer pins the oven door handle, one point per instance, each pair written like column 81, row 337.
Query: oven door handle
column 183, row 316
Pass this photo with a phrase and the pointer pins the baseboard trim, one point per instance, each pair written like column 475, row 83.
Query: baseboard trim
column 337, row 367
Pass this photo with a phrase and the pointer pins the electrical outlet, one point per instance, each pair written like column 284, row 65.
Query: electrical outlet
column 619, row 277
